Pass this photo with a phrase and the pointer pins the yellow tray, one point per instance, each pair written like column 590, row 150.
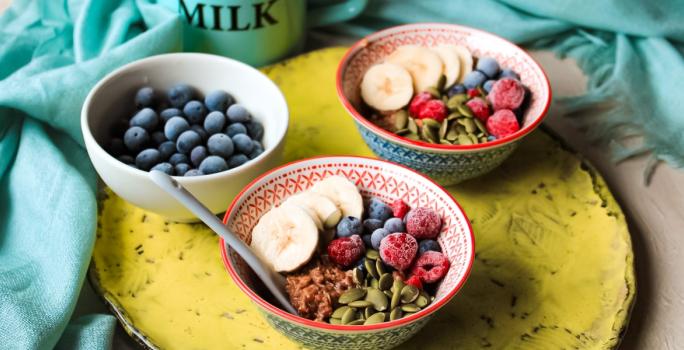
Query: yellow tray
column 553, row 268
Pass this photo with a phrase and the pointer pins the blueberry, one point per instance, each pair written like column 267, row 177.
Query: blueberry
column 256, row 151
column 213, row 164
column 198, row 154
column 361, row 264
column 195, row 112
column 366, row 240
column 220, row 145
column 166, row 149
column 236, row 160
column 394, row 225
column 199, row 129
column 428, row 244
column 145, row 97
column 214, row 122
column 491, row 138
column 474, row 79
column 243, row 143
column 181, row 169
column 370, row 225
column 126, row 159
column 146, row 118
column 457, row 90
column 116, row 147
column 135, row 138
column 509, row 73
column 187, row 141
column 169, row 113
column 238, row 114
column 178, row 158
column 487, row 86
column 158, row 137
column 236, row 128
column 147, row 159
column 180, row 94
column 174, row 127
column 193, row 172
column 488, row 66
column 218, row 100
column 377, row 236
column 164, row 167
column 377, row 209
column 255, row 130
column 349, row 226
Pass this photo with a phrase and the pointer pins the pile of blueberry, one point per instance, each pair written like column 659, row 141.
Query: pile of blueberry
column 184, row 134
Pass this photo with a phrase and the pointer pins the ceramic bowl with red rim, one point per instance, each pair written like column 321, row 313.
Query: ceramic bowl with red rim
column 374, row 178
column 447, row 164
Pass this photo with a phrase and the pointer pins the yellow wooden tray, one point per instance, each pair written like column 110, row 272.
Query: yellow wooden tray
column 553, row 268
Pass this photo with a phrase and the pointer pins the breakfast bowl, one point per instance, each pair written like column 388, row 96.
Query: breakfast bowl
column 373, row 178
column 110, row 101
column 446, row 163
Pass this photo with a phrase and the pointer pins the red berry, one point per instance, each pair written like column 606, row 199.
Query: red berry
column 423, row 223
column 346, row 251
column 479, row 107
column 398, row 250
column 473, row 93
column 417, row 103
column 506, row 93
column 431, row 267
column 399, row 208
column 502, row 123
column 433, row 109
column 415, row 281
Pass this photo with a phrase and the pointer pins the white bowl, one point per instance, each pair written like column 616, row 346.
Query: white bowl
column 112, row 99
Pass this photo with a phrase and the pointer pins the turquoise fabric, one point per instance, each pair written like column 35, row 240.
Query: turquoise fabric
column 631, row 50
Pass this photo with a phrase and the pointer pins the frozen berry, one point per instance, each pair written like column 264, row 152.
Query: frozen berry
column 198, row 154
column 145, row 97
column 377, row 237
column 236, row 160
column 187, row 141
column 423, row 223
column 236, row 128
column 258, row 149
column 431, row 267
column 166, row 149
column 509, row 73
column 349, row 226
column 146, row 159
column 377, row 209
column 433, row 109
column 214, row 122
column 417, row 103
column 502, row 123
column 199, row 129
column 135, row 138
column 238, row 114
column 181, row 169
column 174, row 127
column 414, row 281
column 164, row 168
column 146, row 118
column 428, row 244
column 212, row 164
column 158, row 137
column 399, row 208
column 488, row 66
column 394, row 225
column 473, row 93
column 474, row 79
column 367, row 240
column 506, row 93
column 126, row 159
column 243, row 143
column 194, row 172
column 195, row 112
column 479, row 107
column 255, row 130
column 457, row 89
column 220, row 145
column 180, row 94
column 346, row 251
column 218, row 100
column 487, row 86
column 178, row 158
column 398, row 250
column 370, row 225
column 169, row 113
column 361, row 264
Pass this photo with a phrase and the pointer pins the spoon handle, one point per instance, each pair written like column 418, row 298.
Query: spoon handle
column 273, row 281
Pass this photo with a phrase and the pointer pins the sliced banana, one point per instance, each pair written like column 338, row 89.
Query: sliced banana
column 424, row 65
column 326, row 213
column 466, row 61
column 285, row 237
column 386, row 87
column 451, row 60
column 343, row 193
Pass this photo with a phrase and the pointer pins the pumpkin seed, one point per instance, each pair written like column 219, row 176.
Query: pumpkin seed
column 445, row 98
column 469, row 125
column 432, row 298
column 388, row 293
column 453, row 116
column 380, row 268
column 377, row 317
column 402, row 132
column 443, row 129
column 339, row 312
column 422, row 301
column 483, row 139
column 413, row 137
column 400, row 119
column 351, row 295
column 370, row 268
column 385, row 281
column 397, row 285
column 396, row 314
column 408, row 314
column 368, row 312
column 373, row 283
column 441, row 83
column 410, row 308
column 358, row 276
column 456, row 101
column 445, row 142
column 413, row 128
column 463, row 139
column 431, row 123
column 378, row 298
column 473, row 138
column 428, row 135
column 434, row 92
column 452, row 134
column 356, row 322
column 349, row 316
column 408, row 294
column 335, row 321
column 480, row 126
column 396, row 298
column 360, row 303
column 372, row 254
column 465, row 110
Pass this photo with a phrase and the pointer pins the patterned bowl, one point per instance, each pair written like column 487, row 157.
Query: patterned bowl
column 375, row 178
column 447, row 164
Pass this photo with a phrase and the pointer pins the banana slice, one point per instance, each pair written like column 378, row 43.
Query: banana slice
column 423, row 64
column 343, row 193
column 386, row 87
column 451, row 60
column 285, row 237
column 466, row 61
column 326, row 213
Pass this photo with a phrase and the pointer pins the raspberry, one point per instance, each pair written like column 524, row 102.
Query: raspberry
column 398, row 250
column 473, row 93
column 415, row 281
column 399, row 208
column 506, row 93
column 433, row 109
column 346, row 251
column 423, row 223
column 502, row 123
column 479, row 107
column 417, row 103
column 431, row 267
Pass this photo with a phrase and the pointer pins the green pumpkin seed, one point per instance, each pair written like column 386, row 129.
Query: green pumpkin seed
column 400, row 119
column 335, row 321
column 396, row 299
column 351, row 295
column 434, row 92
column 422, row 301
column 360, row 303
column 378, row 298
column 396, row 314
column 413, row 137
column 432, row 298
column 373, row 283
column 473, row 138
column 463, row 139
column 388, row 293
column 445, row 98
column 443, row 129
column 407, row 314
column 413, row 128
column 358, row 276
column 372, row 254
column 469, row 125
column 441, row 83
column 339, row 312
column 368, row 312
column 402, row 132
column 377, row 317
column 480, row 126
column 349, row 316
column 431, row 123
column 483, row 139
column 465, row 110
column 385, row 281
column 445, row 142
column 356, row 322
column 456, row 101
column 380, row 267
column 370, row 268
column 427, row 134
column 453, row 116
column 482, row 91
column 410, row 308
column 397, row 285
column 408, row 294
column 452, row 134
